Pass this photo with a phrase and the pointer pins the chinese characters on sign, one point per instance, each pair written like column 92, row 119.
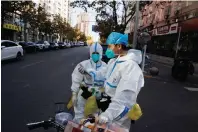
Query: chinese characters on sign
column 12, row 27
column 168, row 29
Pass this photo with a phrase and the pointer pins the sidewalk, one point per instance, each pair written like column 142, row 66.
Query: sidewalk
column 169, row 61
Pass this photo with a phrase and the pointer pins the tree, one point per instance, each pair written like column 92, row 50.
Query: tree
column 8, row 7
column 42, row 20
column 58, row 24
column 26, row 10
column 71, row 35
column 108, row 18
column 82, row 37
column 89, row 40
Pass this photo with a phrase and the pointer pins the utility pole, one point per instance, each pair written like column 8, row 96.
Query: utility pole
column 136, row 25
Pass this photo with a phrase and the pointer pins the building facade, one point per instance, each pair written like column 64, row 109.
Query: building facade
column 55, row 7
column 164, row 20
column 12, row 29
column 83, row 23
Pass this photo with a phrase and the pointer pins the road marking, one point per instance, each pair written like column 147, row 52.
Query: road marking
column 191, row 89
column 31, row 64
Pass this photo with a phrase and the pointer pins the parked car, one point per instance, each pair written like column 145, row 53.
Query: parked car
column 61, row 44
column 40, row 45
column 11, row 50
column 47, row 44
column 53, row 45
column 72, row 44
column 28, row 47
column 43, row 45
column 81, row 43
column 77, row 44
column 68, row 45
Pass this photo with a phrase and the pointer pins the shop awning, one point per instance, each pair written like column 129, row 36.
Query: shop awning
column 189, row 25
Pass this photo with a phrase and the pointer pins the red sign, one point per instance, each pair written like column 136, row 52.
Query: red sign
column 168, row 29
column 173, row 28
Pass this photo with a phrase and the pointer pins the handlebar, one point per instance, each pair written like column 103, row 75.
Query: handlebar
column 45, row 124
column 35, row 125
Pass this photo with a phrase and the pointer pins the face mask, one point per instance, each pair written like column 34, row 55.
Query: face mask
column 95, row 57
column 110, row 53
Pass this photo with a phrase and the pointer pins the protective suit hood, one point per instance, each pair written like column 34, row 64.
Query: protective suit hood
column 96, row 47
column 133, row 54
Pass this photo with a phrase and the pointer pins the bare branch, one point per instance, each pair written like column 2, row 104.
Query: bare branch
column 129, row 19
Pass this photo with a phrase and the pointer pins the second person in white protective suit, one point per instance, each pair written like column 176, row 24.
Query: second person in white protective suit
column 79, row 76
column 124, row 79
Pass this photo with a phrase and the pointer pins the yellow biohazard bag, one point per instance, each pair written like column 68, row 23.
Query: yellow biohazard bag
column 70, row 104
column 135, row 113
column 90, row 106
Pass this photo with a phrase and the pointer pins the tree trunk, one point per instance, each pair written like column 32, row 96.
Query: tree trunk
column 33, row 36
column 25, row 34
column 114, row 15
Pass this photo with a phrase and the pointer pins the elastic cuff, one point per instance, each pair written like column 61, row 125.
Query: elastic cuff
column 108, row 115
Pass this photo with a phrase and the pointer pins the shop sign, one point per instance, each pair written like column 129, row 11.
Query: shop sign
column 165, row 30
column 12, row 27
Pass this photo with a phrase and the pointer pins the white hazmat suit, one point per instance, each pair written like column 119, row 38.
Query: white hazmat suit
column 78, row 79
column 124, row 79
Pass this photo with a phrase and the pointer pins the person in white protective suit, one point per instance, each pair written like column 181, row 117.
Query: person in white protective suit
column 124, row 79
column 79, row 76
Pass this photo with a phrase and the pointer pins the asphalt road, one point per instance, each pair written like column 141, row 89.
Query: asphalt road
column 32, row 86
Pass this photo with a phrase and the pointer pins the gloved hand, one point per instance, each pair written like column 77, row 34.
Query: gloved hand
column 74, row 98
column 103, row 119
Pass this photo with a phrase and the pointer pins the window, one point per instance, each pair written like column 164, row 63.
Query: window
column 8, row 44
column 12, row 44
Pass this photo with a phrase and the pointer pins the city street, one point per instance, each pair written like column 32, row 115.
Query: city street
column 31, row 87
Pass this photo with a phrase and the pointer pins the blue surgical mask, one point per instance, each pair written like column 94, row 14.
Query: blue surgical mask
column 95, row 57
column 110, row 53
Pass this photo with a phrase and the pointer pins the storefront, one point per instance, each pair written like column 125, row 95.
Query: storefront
column 10, row 32
column 189, row 39
column 11, row 28
column 164, row 40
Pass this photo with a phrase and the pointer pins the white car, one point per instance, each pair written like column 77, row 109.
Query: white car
column 40, row 45
column 10, row 50
column 68, row 45
column 81, row 43
column 47, row 44
column 43, row 45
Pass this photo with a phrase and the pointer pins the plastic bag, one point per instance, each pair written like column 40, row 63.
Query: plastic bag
column 135, row 113
column 63, row 117
column 90, row 106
